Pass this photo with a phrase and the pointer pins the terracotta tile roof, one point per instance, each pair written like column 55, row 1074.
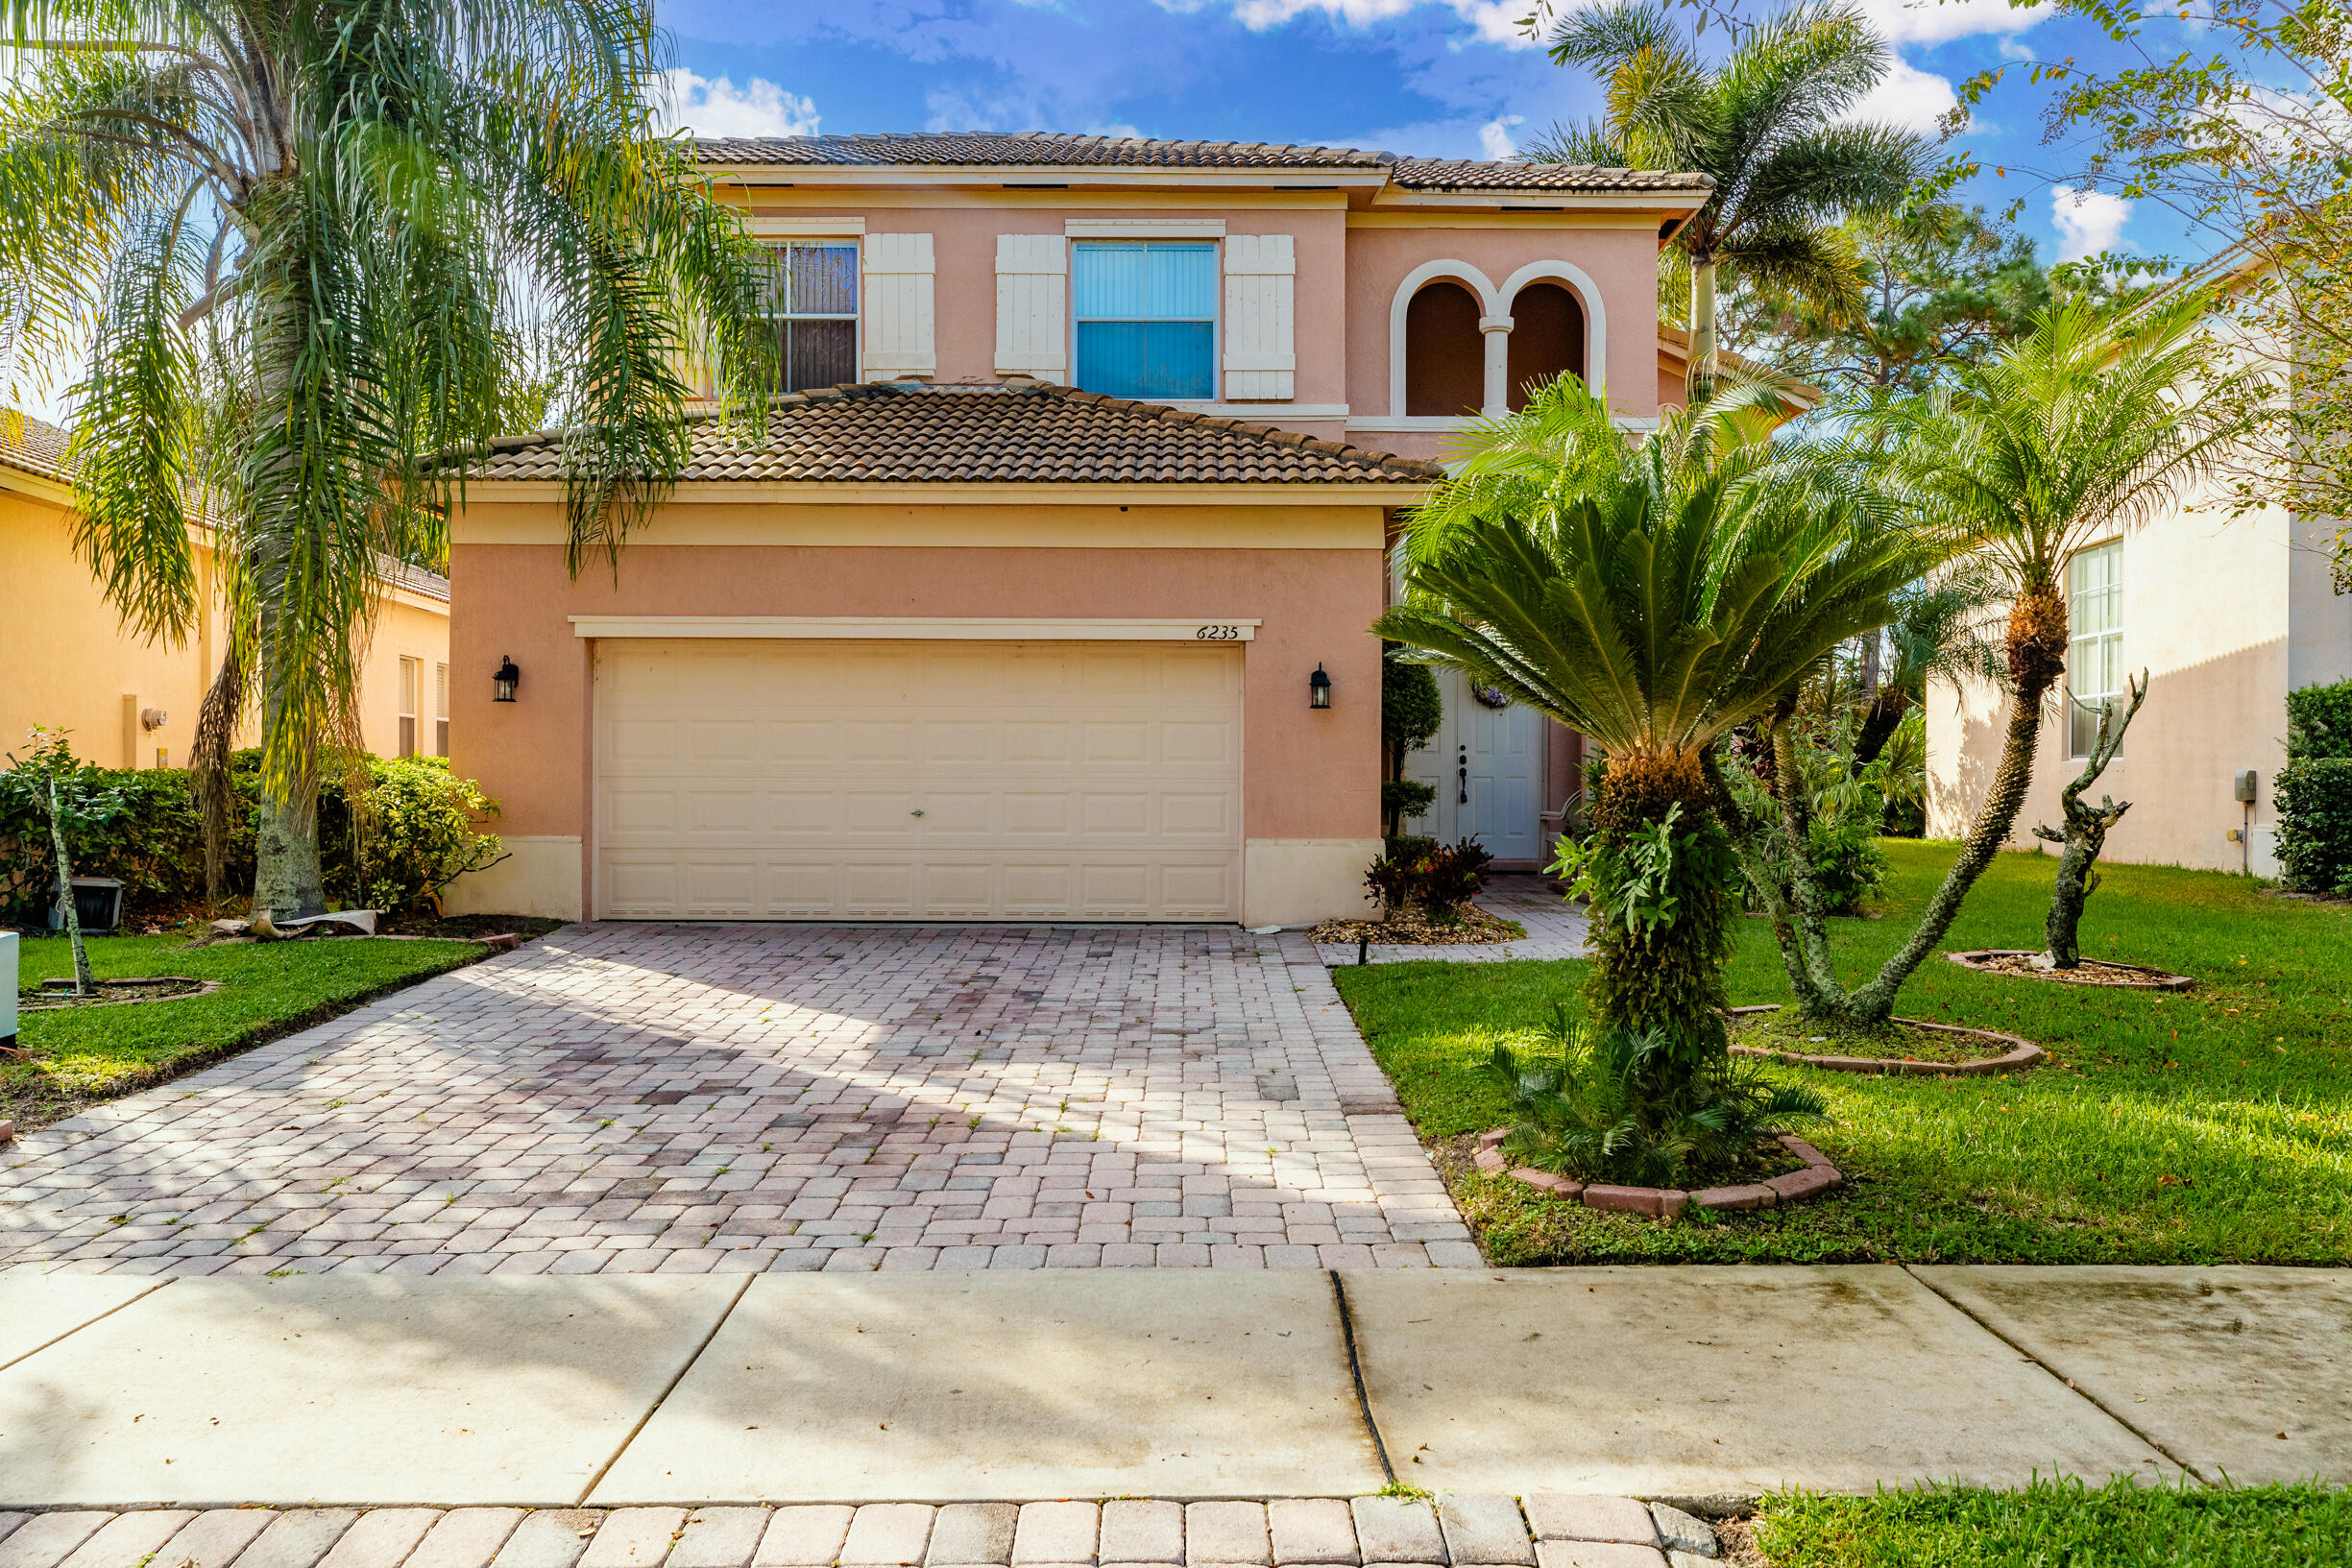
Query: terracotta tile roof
column 995, row 434
column 1032, row 148
column 1445, row 173
column 39, row 450
column 417, row 580
column 1038, row 149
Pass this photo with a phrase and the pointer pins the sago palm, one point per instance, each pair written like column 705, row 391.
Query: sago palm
column 1651, row 597
column 2086, row 426
column 1770, row 124
column 301, row 235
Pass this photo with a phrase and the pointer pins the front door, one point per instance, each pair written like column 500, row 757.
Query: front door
column 1487, row 764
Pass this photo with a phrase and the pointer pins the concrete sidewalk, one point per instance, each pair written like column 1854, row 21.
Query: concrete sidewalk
column 602, row 1390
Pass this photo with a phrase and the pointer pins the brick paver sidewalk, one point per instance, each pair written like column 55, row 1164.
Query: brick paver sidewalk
column 1465, row 1530
column 747, row 1097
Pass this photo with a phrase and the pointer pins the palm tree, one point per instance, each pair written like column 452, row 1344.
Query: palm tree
column 303, row 235
column 2084, row 425
column 1652, row 597
column 1769, row 125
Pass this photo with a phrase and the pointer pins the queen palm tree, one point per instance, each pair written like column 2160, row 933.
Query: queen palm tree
column 302, row 235
column 1770, row 124
column 2086, row 424
column 1651, row 597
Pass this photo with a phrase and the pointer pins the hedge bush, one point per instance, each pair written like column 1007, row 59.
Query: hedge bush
column 2314, row 798
column 2319, row 722
column 421, row 833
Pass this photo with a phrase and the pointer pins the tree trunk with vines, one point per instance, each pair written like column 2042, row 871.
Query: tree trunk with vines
column 2085, row 834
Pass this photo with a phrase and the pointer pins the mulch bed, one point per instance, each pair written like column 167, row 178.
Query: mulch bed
column 116, row 993
column 1817, row 1176
column 1409, row 928
column 2014, row 1053
column 2091, row 971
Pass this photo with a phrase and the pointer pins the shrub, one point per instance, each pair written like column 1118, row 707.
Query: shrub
column 1612, row 1110
column 1402, row 798
column 1436, row 878
column 417, row 835
column 2314, row 799
column 147, row 837
column 2319, row 722
column 1410, row 710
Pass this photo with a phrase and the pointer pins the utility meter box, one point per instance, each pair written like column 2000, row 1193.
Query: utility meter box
column 2244, row 786
column 8, row 988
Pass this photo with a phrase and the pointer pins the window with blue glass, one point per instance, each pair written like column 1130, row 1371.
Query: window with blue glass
column 1146, row 312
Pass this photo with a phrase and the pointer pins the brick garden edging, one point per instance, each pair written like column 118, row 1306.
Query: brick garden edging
column 2157, row 980
column 2021, row 1054
column 1817, row 1177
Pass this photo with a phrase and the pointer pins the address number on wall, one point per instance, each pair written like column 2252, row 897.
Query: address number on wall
column 1217, row 633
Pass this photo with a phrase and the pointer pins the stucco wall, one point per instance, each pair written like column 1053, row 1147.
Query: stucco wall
column 2206, row 611
column 66, row 661
column 1308, row 777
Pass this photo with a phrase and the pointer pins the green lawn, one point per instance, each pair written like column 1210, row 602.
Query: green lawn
column 2060, row 1525
column 77, row 1056
column 2207, row 1127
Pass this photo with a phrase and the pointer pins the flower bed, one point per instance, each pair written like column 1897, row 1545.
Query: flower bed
column 2016, row 1053
column 2091, row 971
column 1409, row 928
column 1817, row 1177
column 116, row 993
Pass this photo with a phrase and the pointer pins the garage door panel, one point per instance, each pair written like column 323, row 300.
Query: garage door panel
column 781, row 781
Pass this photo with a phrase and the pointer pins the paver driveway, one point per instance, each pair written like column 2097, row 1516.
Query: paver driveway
column 746, row 1098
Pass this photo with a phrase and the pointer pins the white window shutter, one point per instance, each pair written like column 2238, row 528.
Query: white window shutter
column 898, row 336
column 1259, row 362
column 1032, row 289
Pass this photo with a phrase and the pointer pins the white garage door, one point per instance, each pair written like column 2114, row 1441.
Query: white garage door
column 930, row 779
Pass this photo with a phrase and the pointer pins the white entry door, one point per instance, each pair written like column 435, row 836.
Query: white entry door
column 917, row 780
column 1487, row 765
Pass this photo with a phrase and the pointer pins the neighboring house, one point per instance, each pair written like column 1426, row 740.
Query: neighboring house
column 2226, row 615
column 1098, row 448
column 66, row 663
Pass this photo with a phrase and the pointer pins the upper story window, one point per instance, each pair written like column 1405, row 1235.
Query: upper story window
column 1547, row 339
column 812, row 300
column 1145, row 313
column 1446, row 358
column 2094, row 645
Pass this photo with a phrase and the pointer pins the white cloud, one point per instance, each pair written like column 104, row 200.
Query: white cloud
column 1497, row 21
column 1908, row 97
column 1940, row 21
column 2088, row 221
column 719, row 108
column 1494, row 136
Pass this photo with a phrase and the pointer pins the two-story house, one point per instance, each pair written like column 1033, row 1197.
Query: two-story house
column 1048, row 596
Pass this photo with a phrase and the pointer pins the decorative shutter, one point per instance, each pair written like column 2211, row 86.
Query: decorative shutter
column 1032, row 289
column 1260, row 272
column 898, row 307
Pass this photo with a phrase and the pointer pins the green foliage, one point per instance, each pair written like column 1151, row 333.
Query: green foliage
column 417, row 832
column 1663, row 910
column 1846, row 805
column 2313, row 801
column 2139, row 1144
column 1411, row 708
column 1437, row 878
column 1616, row 1108
column 1402, row 798
column 140, row 828
column 2319, row 722
column 2127, row 1522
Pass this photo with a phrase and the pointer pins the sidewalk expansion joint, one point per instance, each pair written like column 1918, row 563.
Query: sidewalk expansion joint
column 1355, row 1371
column 2092, row 1400
column 86, row 1322
column 668, row 1388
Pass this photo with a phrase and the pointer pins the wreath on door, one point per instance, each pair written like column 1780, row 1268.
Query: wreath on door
column 1490, row 696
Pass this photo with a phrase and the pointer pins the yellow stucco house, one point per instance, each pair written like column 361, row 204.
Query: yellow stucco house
column 66, row 661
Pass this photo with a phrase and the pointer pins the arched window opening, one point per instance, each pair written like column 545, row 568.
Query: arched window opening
column 1445, row 360
column 1547, row 337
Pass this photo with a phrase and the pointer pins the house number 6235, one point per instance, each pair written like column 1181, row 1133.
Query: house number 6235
column 1217, row 633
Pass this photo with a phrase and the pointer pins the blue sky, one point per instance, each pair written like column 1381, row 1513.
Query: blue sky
column 1431, row 76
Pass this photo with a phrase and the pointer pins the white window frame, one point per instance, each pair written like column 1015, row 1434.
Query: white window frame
column 856, row 316
column 440, row 708
column 2081, row 708
column 1216, row 318
column 405, row 734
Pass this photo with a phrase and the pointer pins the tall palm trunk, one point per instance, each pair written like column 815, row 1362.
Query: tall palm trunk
column 1699, row 377
column 1668, row 977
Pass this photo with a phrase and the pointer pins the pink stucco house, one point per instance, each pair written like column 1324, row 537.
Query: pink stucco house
column 1048, row 597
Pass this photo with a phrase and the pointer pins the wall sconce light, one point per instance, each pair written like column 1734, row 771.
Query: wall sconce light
column 506, row 678
column 1319, row 688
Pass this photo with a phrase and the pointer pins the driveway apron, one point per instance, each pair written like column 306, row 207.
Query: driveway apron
column 745, row 1099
